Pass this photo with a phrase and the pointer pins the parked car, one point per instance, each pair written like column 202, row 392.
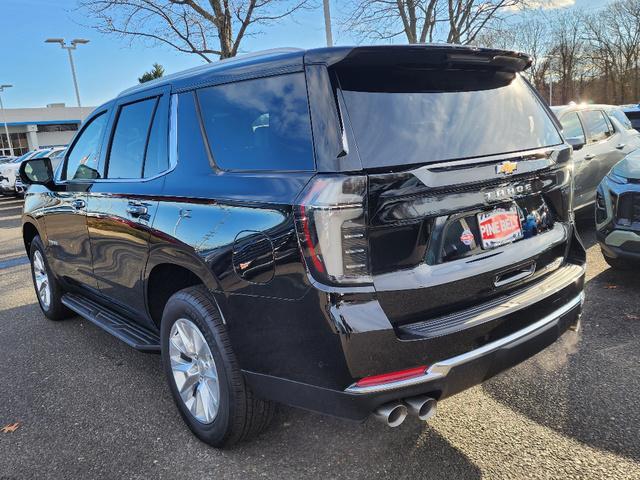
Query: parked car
column 9, row 172
column 54, row 153
column 600, row 138
column 618, row 214
column 354, row 231
column 5, row 159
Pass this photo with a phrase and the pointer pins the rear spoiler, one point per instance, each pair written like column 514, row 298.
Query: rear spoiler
column 421, row 56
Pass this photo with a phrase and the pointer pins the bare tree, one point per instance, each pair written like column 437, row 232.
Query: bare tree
column 202, row 27
column 614, row 34
column 454, row 21
column 530, row 35
column 567, row 52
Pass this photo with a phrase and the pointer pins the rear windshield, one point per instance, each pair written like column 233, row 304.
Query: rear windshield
column 415, row 116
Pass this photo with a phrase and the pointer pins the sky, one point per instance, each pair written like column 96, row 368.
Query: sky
column 41, row 74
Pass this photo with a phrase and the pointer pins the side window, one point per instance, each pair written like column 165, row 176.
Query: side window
column 612, row 129
column 572, row 127
column 130, row 139
column 156, row 158
column 622, row 118
column 596, row 125
column 260, row 124
column 82, row 161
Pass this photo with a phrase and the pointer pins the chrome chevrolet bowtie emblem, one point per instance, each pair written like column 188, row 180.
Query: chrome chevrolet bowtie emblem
column 507, row 167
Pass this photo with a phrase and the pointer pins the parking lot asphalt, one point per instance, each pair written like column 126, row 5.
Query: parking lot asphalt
column 88, row 406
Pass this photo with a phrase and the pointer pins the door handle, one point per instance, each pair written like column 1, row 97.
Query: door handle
column 78, row 204
column 621, row 146
column 589, row 156
column 137, row 210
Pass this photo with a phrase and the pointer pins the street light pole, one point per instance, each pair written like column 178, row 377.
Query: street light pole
column 4, row 119
column 327, row 23
column 74, row 44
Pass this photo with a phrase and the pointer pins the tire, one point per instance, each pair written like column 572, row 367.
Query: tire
column 240, row 414
column 53, row 309
column 619, row 263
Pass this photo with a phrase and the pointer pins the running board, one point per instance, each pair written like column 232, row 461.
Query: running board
column 127, row 330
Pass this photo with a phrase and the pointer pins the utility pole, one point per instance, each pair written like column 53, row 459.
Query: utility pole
column 4, row 119
column 327, row 23
column 74, row 44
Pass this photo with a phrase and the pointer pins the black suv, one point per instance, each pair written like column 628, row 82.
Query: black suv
column 353, row 231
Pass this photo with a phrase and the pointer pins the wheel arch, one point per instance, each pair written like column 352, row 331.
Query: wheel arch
column 169, row 271
column 29, row 231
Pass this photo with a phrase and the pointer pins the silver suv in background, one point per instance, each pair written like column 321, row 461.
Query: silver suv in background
column 601, row 136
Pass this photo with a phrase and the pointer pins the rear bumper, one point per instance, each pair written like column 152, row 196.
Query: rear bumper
column 442, row 379
column 505, row 352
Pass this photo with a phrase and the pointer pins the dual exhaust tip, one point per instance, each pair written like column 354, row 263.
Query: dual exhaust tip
column 394, row 413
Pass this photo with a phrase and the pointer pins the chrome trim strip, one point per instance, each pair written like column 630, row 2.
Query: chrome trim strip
column 442, row 368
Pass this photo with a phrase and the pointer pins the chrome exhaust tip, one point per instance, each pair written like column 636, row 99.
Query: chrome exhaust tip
column 422, row 407
column 391, row 414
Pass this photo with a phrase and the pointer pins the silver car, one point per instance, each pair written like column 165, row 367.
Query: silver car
column 601, row 135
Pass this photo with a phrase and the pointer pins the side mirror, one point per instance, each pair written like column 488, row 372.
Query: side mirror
column 576, row 142
column 37, row 171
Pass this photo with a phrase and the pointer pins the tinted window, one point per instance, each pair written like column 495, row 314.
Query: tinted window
column 406, row 116
column 260, row 124
column 156, row 160
column 126, row 158
column 622, row 118
column 596, row 125
column 571, row 126
column 82, row 161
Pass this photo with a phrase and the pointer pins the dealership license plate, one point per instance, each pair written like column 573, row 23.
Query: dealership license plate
column 499, row 226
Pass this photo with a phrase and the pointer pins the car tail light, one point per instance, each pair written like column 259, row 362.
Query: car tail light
column 332, row 229
column 391, row 377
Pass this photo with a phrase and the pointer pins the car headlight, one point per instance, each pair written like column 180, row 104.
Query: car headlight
column 615, row 178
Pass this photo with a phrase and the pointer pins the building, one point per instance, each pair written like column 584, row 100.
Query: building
column 33, row 128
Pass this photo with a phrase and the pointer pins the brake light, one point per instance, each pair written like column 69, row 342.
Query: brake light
column 391, row 377
column 332, row 229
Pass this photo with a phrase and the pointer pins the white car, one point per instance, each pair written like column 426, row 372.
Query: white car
column 9, row 170
column 55, row 154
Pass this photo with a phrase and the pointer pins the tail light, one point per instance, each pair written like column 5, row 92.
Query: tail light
column 332, row 229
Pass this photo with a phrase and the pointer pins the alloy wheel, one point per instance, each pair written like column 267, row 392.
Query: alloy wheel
column 194, row 370
column 43, row 287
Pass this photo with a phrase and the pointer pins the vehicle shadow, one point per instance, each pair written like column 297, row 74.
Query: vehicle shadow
column 99, row 400
column 586, row 385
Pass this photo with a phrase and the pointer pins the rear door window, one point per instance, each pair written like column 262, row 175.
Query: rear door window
column 572, row 127
column 260, row 124
column 597, row 126
column 82, row 161
column 130, row 138
column 412, row 116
